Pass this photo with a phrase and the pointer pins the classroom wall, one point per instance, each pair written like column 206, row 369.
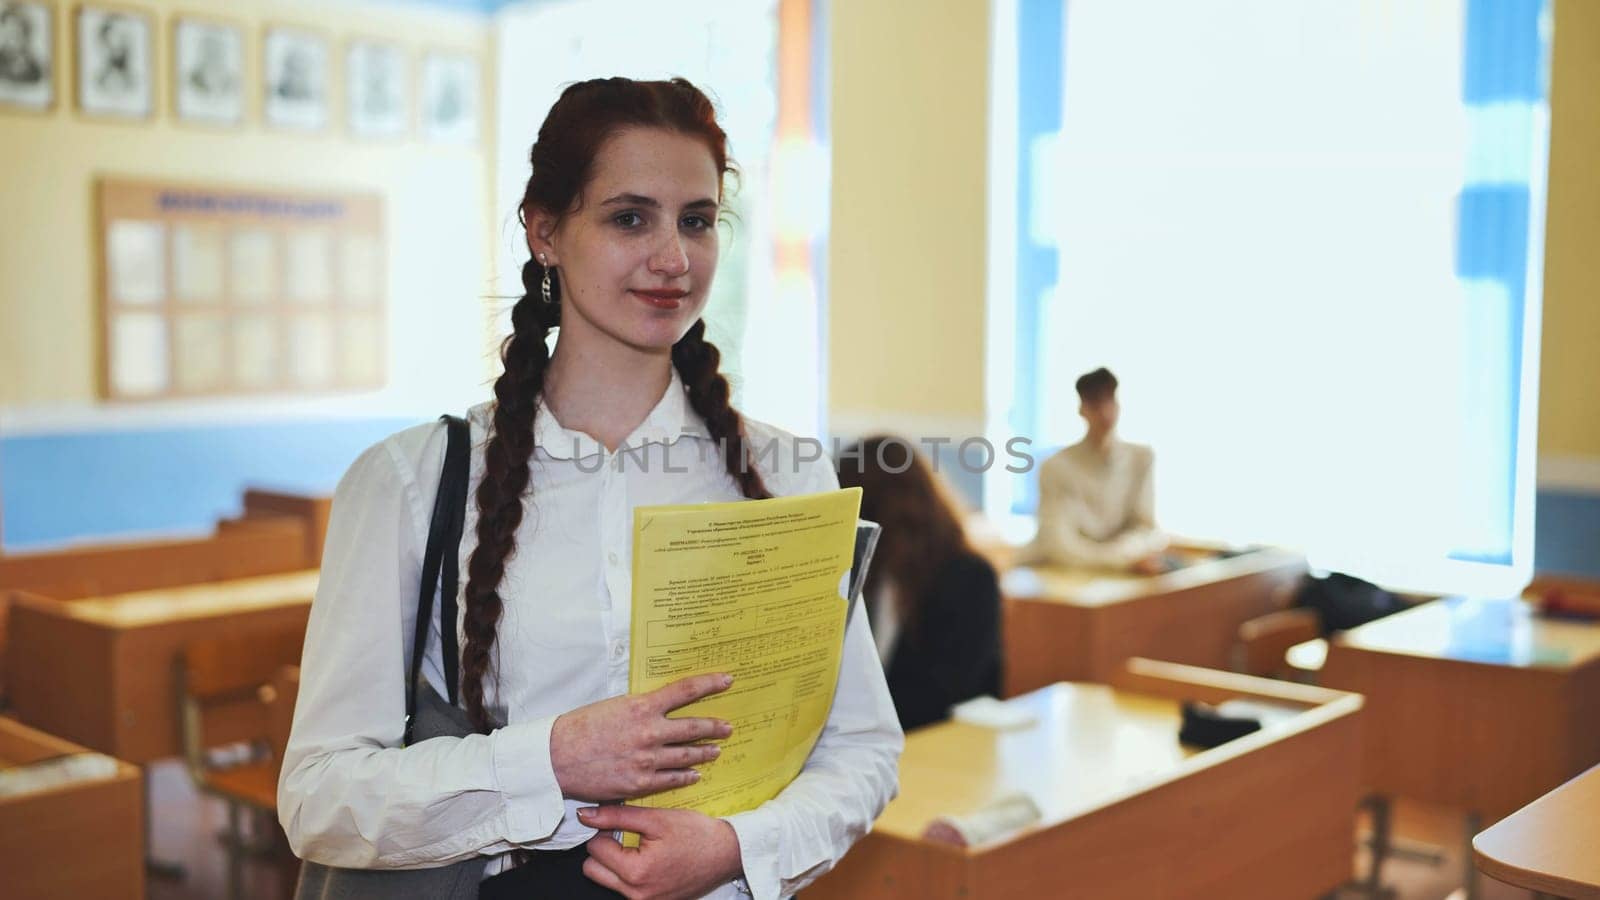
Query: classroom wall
column 908, row 236
column 1568, row 526
column 905, row 263
column 439, row 234
column 1569, row 413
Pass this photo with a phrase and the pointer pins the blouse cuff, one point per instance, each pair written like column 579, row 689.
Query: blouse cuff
column 757, row 830
column 527, row 780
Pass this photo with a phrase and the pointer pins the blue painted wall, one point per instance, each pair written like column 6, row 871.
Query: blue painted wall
column 1567, row 533
column 56, row 488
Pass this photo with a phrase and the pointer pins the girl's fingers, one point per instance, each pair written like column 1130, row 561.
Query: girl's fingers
column 687, row 756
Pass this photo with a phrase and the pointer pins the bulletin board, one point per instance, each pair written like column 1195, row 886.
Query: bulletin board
column 221, row 290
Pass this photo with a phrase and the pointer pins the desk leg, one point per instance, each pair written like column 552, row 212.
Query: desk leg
column 156, row 868
column 236, row 851
column 1382, row 846
column 1469, row 873
column 1378, row 844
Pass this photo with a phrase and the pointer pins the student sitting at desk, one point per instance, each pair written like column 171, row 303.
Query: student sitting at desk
column 934, row 603
column 1096, row 500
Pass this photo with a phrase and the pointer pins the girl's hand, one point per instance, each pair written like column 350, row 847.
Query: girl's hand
column 681, row 853
column 626, row 747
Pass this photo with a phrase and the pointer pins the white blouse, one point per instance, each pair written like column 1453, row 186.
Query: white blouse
column 349, row 796
column 885, row 621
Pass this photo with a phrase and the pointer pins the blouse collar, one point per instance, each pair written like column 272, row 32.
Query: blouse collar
column 671, row 418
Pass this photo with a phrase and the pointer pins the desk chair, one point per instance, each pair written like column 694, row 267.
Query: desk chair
column 280, row 717
column 228, row 696
column 1264, row 641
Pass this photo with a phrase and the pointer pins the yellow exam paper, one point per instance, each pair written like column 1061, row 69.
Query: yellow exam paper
column 752, row 588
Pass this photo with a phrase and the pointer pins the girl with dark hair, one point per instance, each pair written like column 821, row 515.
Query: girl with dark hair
column 934, row 602
column 621, row 215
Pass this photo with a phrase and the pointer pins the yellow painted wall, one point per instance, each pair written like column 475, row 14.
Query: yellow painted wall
column 437, row 197
column 1569, row 405
column 906, row 276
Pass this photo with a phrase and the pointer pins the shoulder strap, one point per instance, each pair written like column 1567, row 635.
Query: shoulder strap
column 440, row 564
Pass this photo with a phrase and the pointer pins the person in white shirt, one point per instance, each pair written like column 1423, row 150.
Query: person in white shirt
column 621, row 217
column 1097, row 497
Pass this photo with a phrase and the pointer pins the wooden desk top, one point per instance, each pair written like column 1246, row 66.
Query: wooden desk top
column 1091, row 745
column 21, row 745
column 1092, row 588
column 1549, row 845
column 1505, row 632
column 154, row 607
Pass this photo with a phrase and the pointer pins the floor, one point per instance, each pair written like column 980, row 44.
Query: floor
column 185, row 826
column 184, row 829
column 1431, row 828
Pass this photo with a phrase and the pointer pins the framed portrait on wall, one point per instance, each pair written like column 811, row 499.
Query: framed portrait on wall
column 115, row 62
column 27, row 56
column 208, row 71
column 295, row 76
column 450, row 98
column 376, row 94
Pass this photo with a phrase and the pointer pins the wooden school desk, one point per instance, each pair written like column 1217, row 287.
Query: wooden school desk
column 1078, row 625
column 312, row 510
column 82, row 839
column 270, row 545
column 102, row 671
column 1477, row 704
column 1549, row 846
column 1127, row 811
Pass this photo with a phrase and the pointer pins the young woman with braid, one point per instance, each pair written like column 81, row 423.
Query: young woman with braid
column 621, row 216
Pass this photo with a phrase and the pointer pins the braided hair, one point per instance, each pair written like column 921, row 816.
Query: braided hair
column 586, row 114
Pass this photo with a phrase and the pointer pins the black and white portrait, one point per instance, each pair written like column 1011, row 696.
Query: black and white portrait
column 296, row 79
column 26, row 69
column 114, row 62
column 375, row 89
column 450, row 98
column 208, row 71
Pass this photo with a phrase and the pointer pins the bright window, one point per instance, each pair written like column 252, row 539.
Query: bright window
column 1305, row 234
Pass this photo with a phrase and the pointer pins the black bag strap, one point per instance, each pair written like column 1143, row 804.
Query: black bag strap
column 440, row 564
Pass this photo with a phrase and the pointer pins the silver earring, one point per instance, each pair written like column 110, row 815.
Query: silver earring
column 544, row 285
